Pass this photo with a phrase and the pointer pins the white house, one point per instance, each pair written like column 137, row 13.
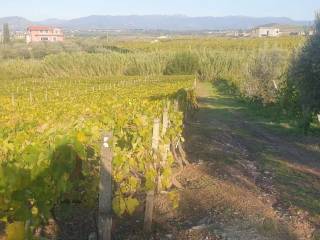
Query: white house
column 44, row 34
column 266, row 32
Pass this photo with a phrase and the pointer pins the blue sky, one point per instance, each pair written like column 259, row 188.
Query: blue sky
column 67, row 9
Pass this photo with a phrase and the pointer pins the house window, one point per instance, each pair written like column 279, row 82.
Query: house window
column 54, row 39
column 44, row 39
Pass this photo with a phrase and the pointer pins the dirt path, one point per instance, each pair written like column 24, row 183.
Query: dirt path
column 248, row 179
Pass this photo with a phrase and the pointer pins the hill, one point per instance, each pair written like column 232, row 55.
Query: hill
column 155, row 22
column 15, row 23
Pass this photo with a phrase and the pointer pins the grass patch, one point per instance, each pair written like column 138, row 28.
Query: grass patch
column 271, row 116
column 295, row 186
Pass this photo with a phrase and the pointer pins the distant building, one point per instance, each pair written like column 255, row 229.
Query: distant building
column 19, row 35
column 44, row 34
column 163, row 37
column 266, row 32
column 246, row 34
column 231, row 34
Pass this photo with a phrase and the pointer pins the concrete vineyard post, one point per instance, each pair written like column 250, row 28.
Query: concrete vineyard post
column 150, row 194
column 156, row 135
column 318, row 115
column 166, row 147
column 105, row 190
column 165, row 126
column 165, row 121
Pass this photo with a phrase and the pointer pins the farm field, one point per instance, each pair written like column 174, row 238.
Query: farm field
column 231, row 158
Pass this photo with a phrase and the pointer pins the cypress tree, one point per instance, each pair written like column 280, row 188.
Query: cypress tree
column 6, row 33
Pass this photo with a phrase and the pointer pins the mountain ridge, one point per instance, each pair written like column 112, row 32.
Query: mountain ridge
column 154, row 22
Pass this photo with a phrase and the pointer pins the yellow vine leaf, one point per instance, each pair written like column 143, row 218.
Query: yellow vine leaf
column 131, row 204
column 118, row 205
column 15, row 231
column 81, row 137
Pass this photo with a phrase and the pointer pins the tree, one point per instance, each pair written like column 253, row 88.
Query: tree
column 6, row 33
column 304, row 77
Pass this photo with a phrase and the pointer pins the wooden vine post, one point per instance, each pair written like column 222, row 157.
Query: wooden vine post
column 150, row 194
column 105, row 190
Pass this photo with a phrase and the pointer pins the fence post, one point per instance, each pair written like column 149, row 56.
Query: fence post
column 150, row 194
column 105, row 190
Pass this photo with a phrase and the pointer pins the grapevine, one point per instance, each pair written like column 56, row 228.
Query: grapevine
column 50, row 146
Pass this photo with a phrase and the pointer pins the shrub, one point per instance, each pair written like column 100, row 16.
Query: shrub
column 15, row 51
column 217, row 64
column 265, row 76
column 304, row 77
column 40, row 50
column 184, row 63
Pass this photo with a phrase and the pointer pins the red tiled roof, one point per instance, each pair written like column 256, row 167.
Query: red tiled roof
column 39, row 28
